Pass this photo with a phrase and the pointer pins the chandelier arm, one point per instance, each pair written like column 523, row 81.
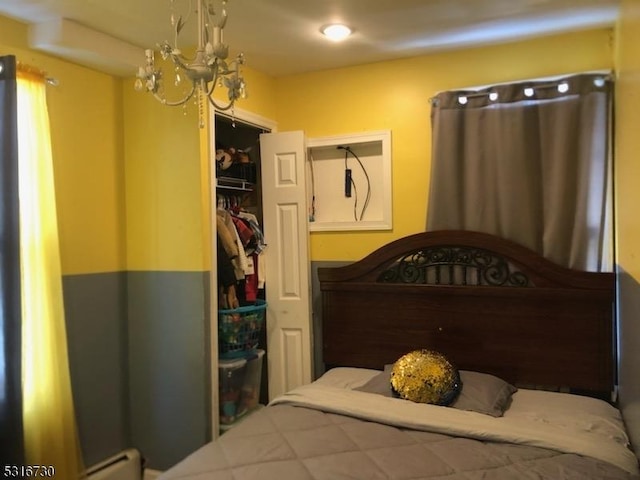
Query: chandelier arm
column 177, row 103
column 176, row 61
column 213, row 83
column 215, row 104
column 219, row 107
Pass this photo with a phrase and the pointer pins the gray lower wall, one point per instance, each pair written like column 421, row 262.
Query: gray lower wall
column 138, row 351
column 629, row 358
column 169, row 375
column 96, row 308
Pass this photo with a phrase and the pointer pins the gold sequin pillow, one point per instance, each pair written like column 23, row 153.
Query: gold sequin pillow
column 425, row 376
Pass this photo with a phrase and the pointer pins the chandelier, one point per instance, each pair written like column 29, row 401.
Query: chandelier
column 208, row 69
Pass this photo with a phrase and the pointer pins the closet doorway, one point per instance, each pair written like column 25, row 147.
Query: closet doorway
column 238, row 189
column 281, row 204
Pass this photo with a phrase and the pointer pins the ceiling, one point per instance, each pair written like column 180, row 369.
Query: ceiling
column 282, row 37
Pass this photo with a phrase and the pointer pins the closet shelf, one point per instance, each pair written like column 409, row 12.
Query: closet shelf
column 234, row 184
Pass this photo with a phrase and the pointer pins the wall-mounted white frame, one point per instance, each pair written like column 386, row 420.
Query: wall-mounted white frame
column 330, row 209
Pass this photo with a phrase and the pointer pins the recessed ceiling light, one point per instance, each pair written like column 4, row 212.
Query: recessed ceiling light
column 336, row 31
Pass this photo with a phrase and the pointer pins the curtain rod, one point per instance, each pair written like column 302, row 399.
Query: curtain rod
column 535, row 84
column 38, row 72
column 537, row 87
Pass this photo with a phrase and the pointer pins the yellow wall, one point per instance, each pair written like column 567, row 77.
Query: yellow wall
column 627, row 139
column 261, row 98
column 166, row 173
column 395, row 95
column 627, row 172
column 130, row 171
column 86, row 119
column 162, row 176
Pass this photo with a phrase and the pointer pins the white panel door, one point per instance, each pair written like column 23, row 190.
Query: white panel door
column 288, row 270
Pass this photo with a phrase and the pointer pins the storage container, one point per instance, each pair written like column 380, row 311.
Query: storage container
column 231, row 380
column 250, row 392
column 239, row 329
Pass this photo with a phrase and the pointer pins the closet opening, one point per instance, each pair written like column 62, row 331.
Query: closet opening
column 239, row 200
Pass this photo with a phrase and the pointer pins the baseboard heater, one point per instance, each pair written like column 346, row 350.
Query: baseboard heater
column 126, row 465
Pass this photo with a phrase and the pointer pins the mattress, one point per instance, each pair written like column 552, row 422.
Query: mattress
column 331, row 430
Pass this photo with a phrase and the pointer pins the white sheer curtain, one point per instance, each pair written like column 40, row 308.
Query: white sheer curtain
column 530, row 162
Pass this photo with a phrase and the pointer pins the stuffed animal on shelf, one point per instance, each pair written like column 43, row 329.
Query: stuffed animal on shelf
column 226, row 157
column 235, row 163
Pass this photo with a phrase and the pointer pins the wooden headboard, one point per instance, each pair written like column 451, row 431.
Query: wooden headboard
column 489, row 304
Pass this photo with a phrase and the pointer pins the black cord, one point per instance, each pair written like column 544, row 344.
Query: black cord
column 312, row 213
column 350, row 184
column 355, row 203
column 368, row 197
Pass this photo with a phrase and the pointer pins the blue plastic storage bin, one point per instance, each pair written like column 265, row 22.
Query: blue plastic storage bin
column 239, row 329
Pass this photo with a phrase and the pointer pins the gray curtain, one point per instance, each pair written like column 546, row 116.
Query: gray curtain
column 11, row 451
column 529, row 162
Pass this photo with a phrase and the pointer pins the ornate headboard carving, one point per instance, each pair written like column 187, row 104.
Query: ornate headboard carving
column 487, row 303
column 454, row 265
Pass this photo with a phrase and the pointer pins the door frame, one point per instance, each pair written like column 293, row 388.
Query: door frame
column 208, row 139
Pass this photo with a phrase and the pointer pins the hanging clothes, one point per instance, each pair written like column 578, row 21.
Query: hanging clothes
column 227, row 282
column 227, row 235
column 243, row 241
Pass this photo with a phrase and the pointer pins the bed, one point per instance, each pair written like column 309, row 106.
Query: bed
column 533, row 343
